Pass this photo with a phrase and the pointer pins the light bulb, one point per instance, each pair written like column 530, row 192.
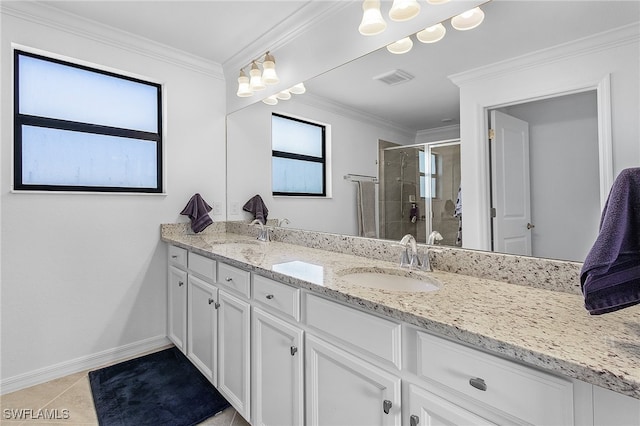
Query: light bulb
column 271, row 100
column 298, row 89
column 243, row 86
column 432, row 34
column 269, row 75
column 372, row 21
column 403, row 10
column 401, row 46
column 468, row 20
column 284, row 95
column 256, row 80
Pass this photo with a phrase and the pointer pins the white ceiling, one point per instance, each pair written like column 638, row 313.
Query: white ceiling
column 219, row 30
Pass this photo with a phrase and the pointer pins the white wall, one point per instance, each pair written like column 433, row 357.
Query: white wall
column 84, row 275
column 563, row 144
column 572, row 67
column 354, row 149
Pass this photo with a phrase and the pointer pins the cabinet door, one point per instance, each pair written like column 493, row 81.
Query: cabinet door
column 202, row 327
column 277, row 371
column 428, row 409
column 177, row 307
column 233, row 351
column 343, row 389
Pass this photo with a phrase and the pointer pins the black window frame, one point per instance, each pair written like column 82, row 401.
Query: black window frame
column 80, row 127
column 292, row 156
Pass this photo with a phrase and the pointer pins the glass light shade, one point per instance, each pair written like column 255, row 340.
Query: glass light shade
column 255, row 83
column 468, row 20
column 432, row 34
column 401, row 46
column 243, row 86
column 437, row 1
column 269, row 75
column 284, row 95
column 403, row 10
column 271, row 100
column 372, row 21
column 298, row 89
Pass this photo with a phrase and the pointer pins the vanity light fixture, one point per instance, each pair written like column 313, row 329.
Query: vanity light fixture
column 372, row 21
column 468, row 20
column 403, row 10
column 244, row 90
column 259, row 79
column 298, row 89
column 271, row 100
column 284, row 95
column 401, row 46
column 432, row 34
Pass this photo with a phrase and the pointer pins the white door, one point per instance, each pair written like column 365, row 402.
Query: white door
column 177, row 307
column 510, row 185
column 277, row 371
column 233, row 351
column 202, row 327
column 428, row 409
column 343, row 389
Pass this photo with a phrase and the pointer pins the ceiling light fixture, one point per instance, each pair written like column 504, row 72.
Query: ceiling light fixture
column 432, row 34
column 372, row 21
column 468, row 20
column 401, row 46
column 403, row 10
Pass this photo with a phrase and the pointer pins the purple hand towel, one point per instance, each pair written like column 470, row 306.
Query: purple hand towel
column 256, row 206
column 610, row 276
column 198, row 211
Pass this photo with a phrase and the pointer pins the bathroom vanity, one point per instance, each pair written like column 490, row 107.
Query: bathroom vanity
column 287, row 340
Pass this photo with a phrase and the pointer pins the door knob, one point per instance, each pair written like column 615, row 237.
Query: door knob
column 530, row 226
column 386, row 406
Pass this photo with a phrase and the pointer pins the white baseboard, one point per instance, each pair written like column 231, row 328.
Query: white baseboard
column 88, row 362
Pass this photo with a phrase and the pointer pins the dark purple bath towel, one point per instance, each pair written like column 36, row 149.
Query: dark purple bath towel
column 256, row 206
column 610, row 276
column 198, row 211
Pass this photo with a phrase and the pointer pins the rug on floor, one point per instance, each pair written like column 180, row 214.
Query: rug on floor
column 162, row 388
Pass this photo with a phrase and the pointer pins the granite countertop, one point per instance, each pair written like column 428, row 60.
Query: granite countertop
column 543, row 328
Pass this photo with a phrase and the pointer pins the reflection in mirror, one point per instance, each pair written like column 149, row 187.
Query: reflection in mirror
column 367, row 122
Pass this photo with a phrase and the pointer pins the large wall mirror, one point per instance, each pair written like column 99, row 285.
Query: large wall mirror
column 394, row 121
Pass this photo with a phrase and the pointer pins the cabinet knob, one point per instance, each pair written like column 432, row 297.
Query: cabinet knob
column 174, row 256
column 269, row 296
column 386, row 406
column 478, row 383
column 414, row 420
column 216, row 305
column 530, row 226
column 294, row 350
column 211, row 301
column 228, row 279
column 180, row 283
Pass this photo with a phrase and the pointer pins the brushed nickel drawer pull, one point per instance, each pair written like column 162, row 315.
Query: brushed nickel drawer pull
column 478, row 383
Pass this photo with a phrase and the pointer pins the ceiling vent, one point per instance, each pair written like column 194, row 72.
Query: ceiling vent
column 394, row 77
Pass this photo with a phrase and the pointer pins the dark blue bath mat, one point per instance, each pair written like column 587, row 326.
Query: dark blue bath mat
column 162, row 388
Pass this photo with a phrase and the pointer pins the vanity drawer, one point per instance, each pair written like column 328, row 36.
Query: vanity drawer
column 281, row 297
column 202, row 266
column 528, row 394
column 178, row 256
column 234, row 278
column 375, row 335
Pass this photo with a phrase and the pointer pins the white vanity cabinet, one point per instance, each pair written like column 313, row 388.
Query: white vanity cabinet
column 202, row 316
column 177, row 297
column 234, row 312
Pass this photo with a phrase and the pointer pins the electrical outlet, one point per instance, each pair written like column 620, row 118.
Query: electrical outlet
column 235, row 208
column 217, row 208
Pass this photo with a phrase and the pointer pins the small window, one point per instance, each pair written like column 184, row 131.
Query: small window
column 298, row 157
column 81, row 129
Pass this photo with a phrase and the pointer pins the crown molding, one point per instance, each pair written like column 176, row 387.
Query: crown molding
column 606, row 40
column 346, row 111
column 45, row 15
column 438, row 132
column 285, row 31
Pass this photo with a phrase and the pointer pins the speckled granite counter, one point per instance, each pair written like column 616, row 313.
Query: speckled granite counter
column 547, row 329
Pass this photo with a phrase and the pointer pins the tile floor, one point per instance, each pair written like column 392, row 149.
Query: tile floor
column 73, row 393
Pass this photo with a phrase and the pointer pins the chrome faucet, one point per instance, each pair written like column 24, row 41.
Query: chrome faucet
column 433, row 237
column 284, row 221
column 263, row 235
column 409, row 259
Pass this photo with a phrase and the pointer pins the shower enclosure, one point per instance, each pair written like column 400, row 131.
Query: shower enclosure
column 418, row 190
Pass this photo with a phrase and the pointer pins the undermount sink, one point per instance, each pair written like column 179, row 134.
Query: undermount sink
column 391, row 279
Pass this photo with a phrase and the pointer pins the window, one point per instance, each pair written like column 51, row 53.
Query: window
column 298, row 157
column 434, row 175
column 83, row 129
